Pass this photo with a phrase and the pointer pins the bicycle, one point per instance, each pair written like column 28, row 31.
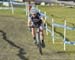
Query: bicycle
column 38, row 40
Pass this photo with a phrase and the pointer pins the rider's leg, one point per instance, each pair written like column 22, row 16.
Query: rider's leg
column 33, row 33
column 42, row 35
column 41, row 32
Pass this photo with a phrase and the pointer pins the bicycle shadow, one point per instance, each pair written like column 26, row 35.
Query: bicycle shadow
column 61, row 35
column 58, row 32
column 49, row 24
column 71, row 24
column 21, row 50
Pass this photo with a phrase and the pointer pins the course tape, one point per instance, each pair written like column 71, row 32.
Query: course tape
column 62, row 26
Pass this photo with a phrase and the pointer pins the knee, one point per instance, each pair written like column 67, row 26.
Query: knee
column 33, row 31
column 41, row 32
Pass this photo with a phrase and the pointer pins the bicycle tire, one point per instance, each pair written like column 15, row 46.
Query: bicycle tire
column 39, row 43
column 40, row 49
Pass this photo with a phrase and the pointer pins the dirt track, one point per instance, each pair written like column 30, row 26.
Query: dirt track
column 16, row 43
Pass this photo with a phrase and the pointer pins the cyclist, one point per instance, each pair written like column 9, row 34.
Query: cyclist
column 30, row 5
column 36, row 20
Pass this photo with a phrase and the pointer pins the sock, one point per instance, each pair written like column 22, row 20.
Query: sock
column 42, row 40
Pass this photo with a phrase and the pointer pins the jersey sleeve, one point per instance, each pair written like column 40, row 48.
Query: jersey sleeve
column 41, row 17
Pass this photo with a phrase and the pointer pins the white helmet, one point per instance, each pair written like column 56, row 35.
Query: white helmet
column 33, row 11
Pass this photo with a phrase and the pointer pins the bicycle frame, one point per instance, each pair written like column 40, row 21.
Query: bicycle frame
column 37, row 35
column 39, row 42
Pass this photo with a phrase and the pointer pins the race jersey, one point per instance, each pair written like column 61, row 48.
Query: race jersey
column 37, row 21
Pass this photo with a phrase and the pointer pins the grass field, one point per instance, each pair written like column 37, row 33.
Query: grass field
column 16, row 41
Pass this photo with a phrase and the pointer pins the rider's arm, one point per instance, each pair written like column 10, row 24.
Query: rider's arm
column 43, row 19
column 29, row 21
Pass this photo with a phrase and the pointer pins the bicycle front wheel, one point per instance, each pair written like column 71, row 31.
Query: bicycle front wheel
column 39, row 42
